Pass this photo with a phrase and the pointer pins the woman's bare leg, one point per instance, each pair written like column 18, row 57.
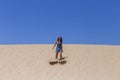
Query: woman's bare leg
column 60, row 55
column 56, row 57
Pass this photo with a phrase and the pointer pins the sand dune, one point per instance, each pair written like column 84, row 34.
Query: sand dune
column 84, row 62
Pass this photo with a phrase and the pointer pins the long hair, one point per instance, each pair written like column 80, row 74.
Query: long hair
column 60, row 39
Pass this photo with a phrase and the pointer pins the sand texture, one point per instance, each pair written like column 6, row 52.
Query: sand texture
column 83, row 62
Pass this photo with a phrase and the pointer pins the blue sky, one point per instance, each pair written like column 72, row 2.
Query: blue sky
column 77, row 21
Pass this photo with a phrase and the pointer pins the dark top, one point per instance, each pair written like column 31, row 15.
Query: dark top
column 59, row 45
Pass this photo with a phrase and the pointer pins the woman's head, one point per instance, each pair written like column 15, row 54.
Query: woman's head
column 59, row 39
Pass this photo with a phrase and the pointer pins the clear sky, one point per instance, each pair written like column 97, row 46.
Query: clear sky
column 77, row 21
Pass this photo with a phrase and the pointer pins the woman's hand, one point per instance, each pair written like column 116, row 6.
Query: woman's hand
column 54, row 46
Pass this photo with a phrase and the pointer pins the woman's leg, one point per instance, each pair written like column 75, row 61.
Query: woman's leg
column 56, row 57
column 60, row 55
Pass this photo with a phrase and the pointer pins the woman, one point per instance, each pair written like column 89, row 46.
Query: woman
column 59, row 49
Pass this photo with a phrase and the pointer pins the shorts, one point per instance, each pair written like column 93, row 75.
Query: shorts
column 59, row 50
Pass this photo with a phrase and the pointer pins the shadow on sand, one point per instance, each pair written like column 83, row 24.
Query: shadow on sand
column 53, row 62
column 60, row 61
column 63, row 62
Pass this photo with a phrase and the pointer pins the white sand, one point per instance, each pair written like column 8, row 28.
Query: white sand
column 84, row 62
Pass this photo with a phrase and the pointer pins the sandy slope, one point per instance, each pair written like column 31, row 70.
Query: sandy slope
column 84, row 62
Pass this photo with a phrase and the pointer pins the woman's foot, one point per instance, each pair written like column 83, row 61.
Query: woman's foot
column 62, row 58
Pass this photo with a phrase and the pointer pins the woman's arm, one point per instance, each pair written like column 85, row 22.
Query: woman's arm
column 54, row 45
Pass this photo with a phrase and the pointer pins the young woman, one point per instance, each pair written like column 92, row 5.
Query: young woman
column 59, row 49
